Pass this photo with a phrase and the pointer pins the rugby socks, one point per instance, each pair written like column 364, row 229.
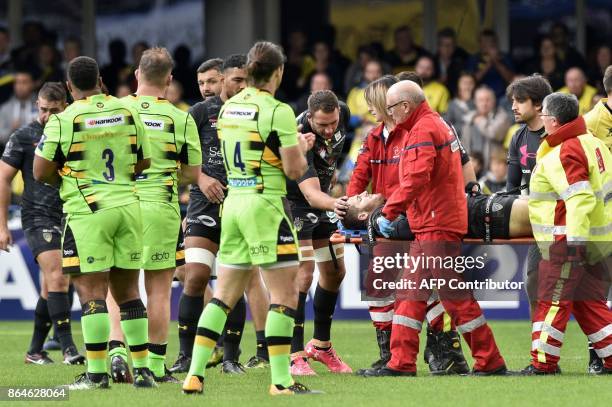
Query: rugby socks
column 190, row 309
column 262, row 346
column 135, row 327
column 95, row 323
column 157, row 359
column 59, row 311
column 279, row 327
column 42, row 326
column 234, row 326
column 324, row 304
column 297, row 341
column 210, row 325
column 117, row 348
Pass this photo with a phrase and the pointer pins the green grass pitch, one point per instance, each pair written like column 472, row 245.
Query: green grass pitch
column 355, row 342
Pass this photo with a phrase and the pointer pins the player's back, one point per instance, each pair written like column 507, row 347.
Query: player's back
column 252, row 127
column 99, row 140
column 173, row 139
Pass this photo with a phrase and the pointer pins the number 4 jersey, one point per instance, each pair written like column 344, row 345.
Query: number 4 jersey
column 96, row 142
column 174, row 140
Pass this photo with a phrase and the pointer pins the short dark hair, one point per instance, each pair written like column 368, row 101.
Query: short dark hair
column 53, row 92
column 562, row 106
column 324, row 100
column 410, row 76
column 534, row 87
column 487, row 32
column 83, row 73
column 607, row 80
column 263, row 59
column 351, row 220
column 235, row 61
column 214, row 63
column 155, row 65
column 447, row 32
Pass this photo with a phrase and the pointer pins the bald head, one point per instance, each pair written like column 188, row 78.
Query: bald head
column 403, row 98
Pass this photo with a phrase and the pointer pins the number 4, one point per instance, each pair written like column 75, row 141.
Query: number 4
column 238, row 159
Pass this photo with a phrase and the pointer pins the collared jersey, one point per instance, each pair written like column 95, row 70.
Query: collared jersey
column 97, row 141
column 174, row 141
column 599, row 122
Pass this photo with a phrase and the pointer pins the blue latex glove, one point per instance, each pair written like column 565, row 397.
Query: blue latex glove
column 384, row 226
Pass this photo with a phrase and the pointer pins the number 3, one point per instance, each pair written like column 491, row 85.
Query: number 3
column 109, row 157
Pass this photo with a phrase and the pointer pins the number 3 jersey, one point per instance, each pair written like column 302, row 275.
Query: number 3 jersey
column 96, row 142
column 174, row 141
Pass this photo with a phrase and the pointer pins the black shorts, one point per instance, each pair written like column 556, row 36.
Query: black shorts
column 203, row 220
column 42, row 239
column 313, row 224
column 499, row 216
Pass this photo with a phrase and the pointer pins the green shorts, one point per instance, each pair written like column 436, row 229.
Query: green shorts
column 257, row 229
column 98, row 241
column 162, row 236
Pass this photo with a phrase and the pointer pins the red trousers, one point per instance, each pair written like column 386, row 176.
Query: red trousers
column 565, row 289
column 465, row 313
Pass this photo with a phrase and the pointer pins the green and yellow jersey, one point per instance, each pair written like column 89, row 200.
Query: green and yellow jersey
column 599, row 122
column 252, row 126
column 174, row 141
column 97, row 141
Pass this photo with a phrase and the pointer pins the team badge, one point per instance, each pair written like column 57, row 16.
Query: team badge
column 47, row 236
column 497, row 207
column 99, row 105
column 298, row 223
column 145, row 105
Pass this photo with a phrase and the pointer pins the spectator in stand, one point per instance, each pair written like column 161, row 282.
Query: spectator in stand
column 485, row 128
column 495, row 179
column 298, row 67
column 360, row 111
column 183, row 72
column 450, row 59
column 463, row 103
column 319, row 81
column 436, row 93
column 568, row 55
column 405, row 52
column 122, row 90
column 354, row 73
column 20, row 109
column 603, row 59
column 547, row 63
column 33, row 34
column 477, row 161
column 6, row 66
column 49, row 65
column 490, row 66
column 117, row 67
column 325, row 63
column 72, row 49
column 127, row 75
column 174, row 94
column 576, row 84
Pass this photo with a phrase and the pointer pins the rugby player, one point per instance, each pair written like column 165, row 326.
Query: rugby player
column 315, row 222
column 41, row 217
column 98, row 145
column 210, row 78
column 261, row 146
column 175, row 156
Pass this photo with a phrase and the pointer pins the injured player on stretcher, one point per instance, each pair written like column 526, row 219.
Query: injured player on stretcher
column 489, row 217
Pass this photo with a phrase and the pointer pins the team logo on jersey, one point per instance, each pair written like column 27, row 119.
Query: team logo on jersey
column 104, row 121
column 338, row 135
column 312, row 217
column 298, row 223
column 497, row 207
column 239, row 113
column 47, row 236
column 144, row 105
column 99, row 105
column 331, row 215
column 90, row 259
column 153, row 124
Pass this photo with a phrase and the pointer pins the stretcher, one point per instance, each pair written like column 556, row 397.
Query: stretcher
column 359, row 236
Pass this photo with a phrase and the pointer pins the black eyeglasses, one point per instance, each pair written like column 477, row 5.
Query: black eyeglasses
column 393, row 105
